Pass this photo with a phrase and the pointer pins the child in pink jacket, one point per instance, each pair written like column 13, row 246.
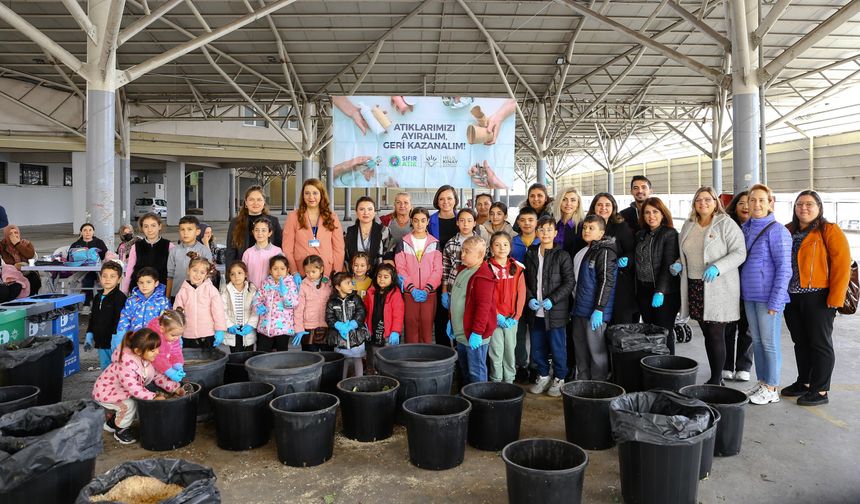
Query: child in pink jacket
column 419, row 270
column 274, row 303
column 310, row 313
column 126, row 378
column 257, row 257
column 169, row 326
column 205, row 321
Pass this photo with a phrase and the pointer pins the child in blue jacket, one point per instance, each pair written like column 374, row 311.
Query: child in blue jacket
column 145, row 302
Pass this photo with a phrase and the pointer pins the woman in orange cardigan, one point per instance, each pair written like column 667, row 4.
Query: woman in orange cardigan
column 313, row 229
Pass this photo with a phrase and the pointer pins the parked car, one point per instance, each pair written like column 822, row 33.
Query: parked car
column 150, row 205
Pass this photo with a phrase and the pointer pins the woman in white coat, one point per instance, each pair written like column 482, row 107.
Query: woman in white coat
column 712, row 249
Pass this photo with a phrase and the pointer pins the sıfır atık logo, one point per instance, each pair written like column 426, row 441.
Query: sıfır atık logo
column 394, row 161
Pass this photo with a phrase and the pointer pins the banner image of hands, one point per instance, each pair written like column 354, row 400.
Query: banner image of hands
column 428, row 141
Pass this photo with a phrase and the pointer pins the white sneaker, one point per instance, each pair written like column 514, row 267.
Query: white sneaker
column 540, row 385
column 754, row 390
column 742, row 375
column 764, row 395
column 728, row 375
column 555, row 388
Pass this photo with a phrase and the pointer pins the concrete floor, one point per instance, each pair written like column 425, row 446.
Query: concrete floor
column 790, row 454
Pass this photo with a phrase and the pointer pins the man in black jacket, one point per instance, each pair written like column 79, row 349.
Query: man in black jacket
column 640, row 189
column 549, row 283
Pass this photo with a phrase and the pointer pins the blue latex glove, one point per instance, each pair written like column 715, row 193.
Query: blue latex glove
column 596, row 319
column 175, row 374
column 88, row 342
column 419, row 295
column 352, row 325
column 344, row 335
column 400, row 281
column 501, row 321
column 475, row 341
column 178, row 367
column 622, row 262
column 533, row 304
column 547, row 304
column 711, row 273
column 449, row 331
column 510, row 322
column 657, row 300
column 261, row 310
column 219, row 338
column 282, row 287
column 394, row 338
column 339, row 326
column 675, row 269
column 446, row 300
column 233, row 329
column 245, row 330
column 297, row 279
column 297, row 339
column 115, row 341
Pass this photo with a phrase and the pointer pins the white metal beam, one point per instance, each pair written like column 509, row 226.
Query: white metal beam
column 837, row 19
column 107, row 47
column 718, row 77
column 525, row 124
column 81, row 18
column 34, row 110
column 835, row 88
column 147, row 66
column 144, row 21
column 702, row 25
column 767, row 23
column 42, row 40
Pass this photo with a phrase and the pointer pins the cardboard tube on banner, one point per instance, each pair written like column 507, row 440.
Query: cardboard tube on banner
column 381, row 117
column 479, row 116
column 370, row 119
column 477, row 135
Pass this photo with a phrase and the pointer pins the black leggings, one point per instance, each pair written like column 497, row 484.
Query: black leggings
column 715, row 346
column 273, row 343
column 207, row 342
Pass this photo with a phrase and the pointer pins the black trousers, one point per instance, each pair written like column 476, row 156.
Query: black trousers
column 35, row 282
column 715, row 346
column 207, row 342
column 739, row 349
column 241, row 348
column 810, row 323
column 273, row 343
column 663, row 316
column 440, row 323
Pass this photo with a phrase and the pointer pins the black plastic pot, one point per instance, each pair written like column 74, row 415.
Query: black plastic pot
column 708, row 446
column 367, row 407
column 731, row 404
column 304, row 427
column 168, row 424
column 235, row 371
column 436, row 427
column 288, row 371
column 644, row 482
column 16, row 397
column 586, row 413
column 59, row 485
column 544, row 471
column 208, row 374
column 40, row 364
column 421, row 369
column 497, row 409
column 668, row 372
column 242, row 417
column 627, row 344
column 332, row 372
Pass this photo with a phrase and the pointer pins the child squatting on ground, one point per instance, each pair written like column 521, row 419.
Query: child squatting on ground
column 126, row 378
column 169, row 327
column 344, row 315
column 107, row 307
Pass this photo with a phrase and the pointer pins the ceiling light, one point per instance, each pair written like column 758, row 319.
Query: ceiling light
column 559, row 60
column 271, row 59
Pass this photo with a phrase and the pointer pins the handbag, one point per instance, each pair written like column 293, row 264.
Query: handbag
column 852, row 293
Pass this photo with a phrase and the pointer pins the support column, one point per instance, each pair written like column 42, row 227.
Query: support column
column 329, row 172
column 100, row 162
column 541, row 159
column 231, row 195
column 745, row 98
column 216, row 194
column 460, row 198
column 716, row 151
column 284, row 183
column 497, row 193
column 307, row 162
column 347, row 204
column 174, row 186
column 610, row 182
column 79, row 190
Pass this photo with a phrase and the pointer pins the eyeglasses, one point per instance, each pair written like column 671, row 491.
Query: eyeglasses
column 704, row 200
column 805, row 204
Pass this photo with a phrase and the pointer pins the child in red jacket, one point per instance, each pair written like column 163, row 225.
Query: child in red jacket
column 169, row 326
column 510, row 298
column 385, row 309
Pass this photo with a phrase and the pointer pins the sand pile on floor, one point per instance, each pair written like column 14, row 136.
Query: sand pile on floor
column 139, row 490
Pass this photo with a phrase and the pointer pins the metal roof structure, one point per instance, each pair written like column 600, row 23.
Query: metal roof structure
column 599, row 82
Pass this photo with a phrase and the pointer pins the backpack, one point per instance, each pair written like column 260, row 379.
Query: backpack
column 82, row 257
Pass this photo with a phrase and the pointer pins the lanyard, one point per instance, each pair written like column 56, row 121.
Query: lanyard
column 314, row 229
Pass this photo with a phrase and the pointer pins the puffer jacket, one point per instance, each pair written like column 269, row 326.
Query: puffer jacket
column 767, row 269
column 310, row 313
column 204, row 310
column 664, row 252
column 425, row 274
column 480, row 314
column 127, row 377
column 392, row 314
column 343, row 310
column 249, row 316
column 598, row 274
column 279, row 317
column 169, row 353
column 824, row 261
column 139, row 310
column 557, row 284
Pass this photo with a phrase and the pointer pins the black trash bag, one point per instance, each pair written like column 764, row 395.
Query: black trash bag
column 198, row 480
column 623, row 338
column 31, row 350
column 659, row 417
column 38, row 439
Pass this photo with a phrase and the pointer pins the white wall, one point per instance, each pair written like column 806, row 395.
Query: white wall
column 32, row 205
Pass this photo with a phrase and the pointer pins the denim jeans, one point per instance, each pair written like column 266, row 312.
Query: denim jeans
column 473, row 363
column 765, row 330
column 545, row 341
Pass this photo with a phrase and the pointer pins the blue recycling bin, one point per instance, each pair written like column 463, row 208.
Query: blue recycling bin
column 38, row 323
column 62, row 321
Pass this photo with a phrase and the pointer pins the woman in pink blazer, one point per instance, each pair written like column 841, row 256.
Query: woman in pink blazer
column 313, row 229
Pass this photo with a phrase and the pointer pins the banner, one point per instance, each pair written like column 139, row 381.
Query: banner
column 423, row 142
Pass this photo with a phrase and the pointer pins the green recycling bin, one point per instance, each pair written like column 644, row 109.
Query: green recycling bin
column 12, row 325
